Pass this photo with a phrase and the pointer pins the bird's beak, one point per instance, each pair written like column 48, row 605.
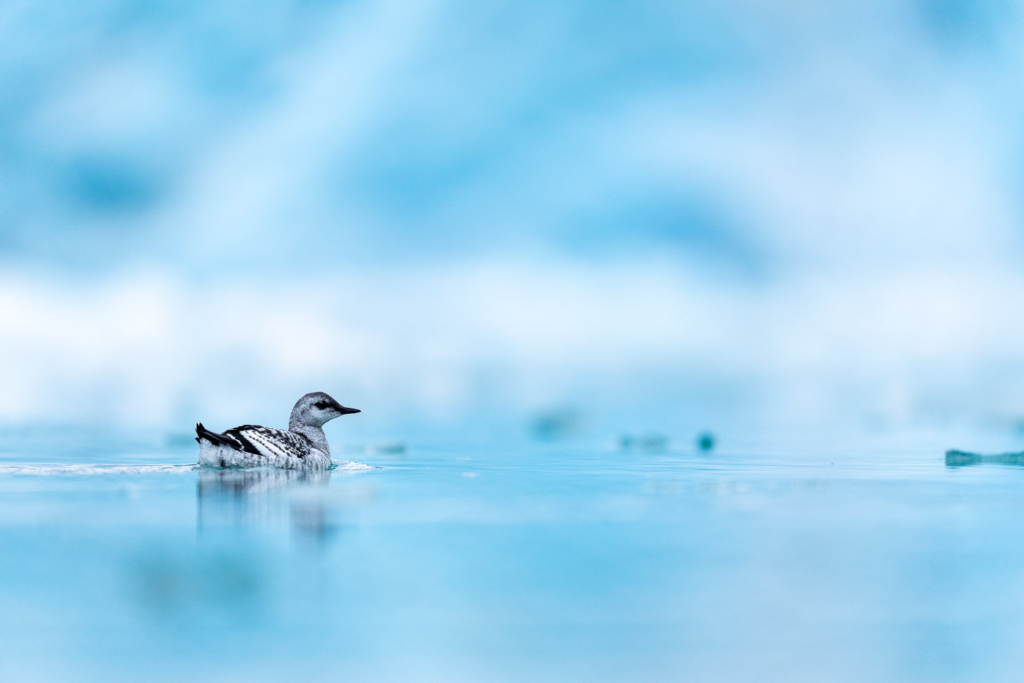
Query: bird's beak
column 347, row 411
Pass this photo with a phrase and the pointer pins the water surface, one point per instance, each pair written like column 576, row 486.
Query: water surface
column 766, row 559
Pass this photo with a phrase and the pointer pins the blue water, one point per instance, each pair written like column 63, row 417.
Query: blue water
column 767, row 559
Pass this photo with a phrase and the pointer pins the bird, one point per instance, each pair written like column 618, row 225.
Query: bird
column 302, row 446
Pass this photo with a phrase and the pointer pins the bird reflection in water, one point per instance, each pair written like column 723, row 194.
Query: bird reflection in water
column 266, row 498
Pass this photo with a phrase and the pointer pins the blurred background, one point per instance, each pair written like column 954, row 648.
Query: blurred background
column 452, row 214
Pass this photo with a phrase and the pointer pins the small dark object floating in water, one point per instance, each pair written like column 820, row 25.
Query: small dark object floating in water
column 651, row 443
column 390, row 448
column 706, row 442
column 556, row 424
column 956, row 458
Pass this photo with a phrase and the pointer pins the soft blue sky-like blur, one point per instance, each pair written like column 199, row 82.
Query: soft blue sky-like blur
column 788, row 212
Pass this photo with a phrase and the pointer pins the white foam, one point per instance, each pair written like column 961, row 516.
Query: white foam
column 91, row 470
column 49, row 470
column 350, row 466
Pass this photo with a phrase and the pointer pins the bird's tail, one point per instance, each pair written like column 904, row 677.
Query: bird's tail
column 213, row 437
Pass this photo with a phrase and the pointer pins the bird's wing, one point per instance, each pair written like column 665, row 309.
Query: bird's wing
column 269, row 442
column 228, row 440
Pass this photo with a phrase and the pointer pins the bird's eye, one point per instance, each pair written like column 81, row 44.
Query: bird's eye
column 320, row 404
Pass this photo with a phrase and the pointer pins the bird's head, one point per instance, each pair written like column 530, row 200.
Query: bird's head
column 317, row 409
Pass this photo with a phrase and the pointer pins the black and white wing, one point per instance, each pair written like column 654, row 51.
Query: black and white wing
column 269, row 442
column 255, row 445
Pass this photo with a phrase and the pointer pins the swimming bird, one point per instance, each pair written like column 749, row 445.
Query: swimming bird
column 302, row 446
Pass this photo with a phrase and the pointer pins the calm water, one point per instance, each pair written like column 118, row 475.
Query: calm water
column 783, row 559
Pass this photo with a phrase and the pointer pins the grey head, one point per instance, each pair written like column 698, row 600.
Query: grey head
column 315, row 410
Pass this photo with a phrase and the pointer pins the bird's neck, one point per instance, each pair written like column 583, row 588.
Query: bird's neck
column 311, row 432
